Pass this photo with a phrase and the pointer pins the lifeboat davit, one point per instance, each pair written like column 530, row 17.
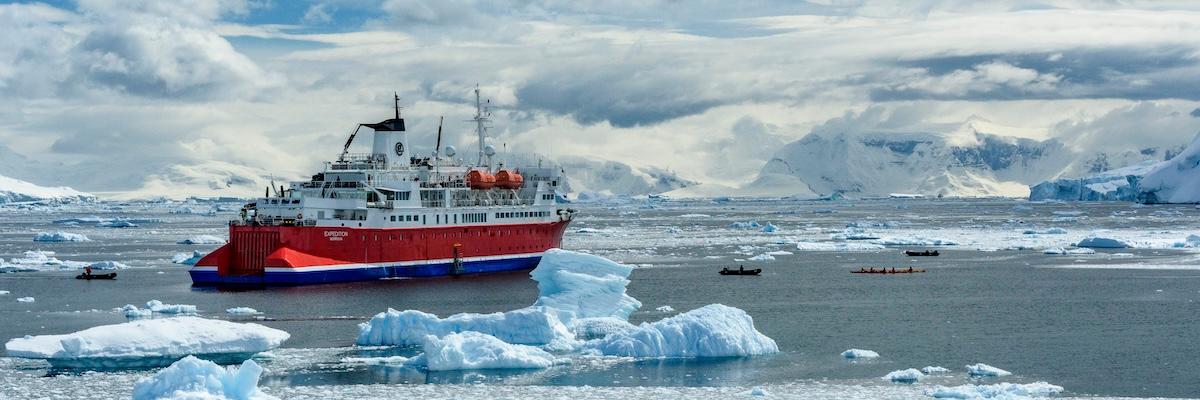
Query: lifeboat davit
column 480, row 179
column 506, row 179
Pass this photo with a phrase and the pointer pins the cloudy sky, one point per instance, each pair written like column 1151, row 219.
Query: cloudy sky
column 127, row 89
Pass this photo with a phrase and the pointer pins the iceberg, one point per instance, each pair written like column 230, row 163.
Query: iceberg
column 859, row 353
column 474, row 350
column 982, row 369
column 1102, row 243
column 60, row 236
column 39, row 260
column 911, row 375
column 571, row 285
column 187, row 259
column 1176, row 180
column 26, row 300
column 770, row 228
column 193, row 378
column 149, row 343
column 1173, row 181
column 241, row 311
column 744, row 225
column 714, row 330
column 1113, row 185
column 202, row 239
column 159, row 307
column 133, row 312
column 995, row 391
column 531, row 325
column 665, row 309
column 930, row 370
column 579, row 285
column 108, row 265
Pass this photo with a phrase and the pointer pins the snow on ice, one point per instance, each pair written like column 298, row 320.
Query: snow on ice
column 473, row 350
column 60, row 236
column 196, row 379
column 15, row 190
column 859, row 353
column 982, row 369
column 911, row 375
column 149, row 343
column 202, row 239
column 714, row 330
column 995, row 391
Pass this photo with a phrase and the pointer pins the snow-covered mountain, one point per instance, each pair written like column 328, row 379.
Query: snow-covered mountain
column 958, row 161
column 16, row 190
column 1176, row 180
column 615, row 178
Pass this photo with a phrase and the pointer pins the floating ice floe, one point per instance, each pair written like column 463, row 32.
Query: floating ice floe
column 911, row 375
column 531, row 325
column 474, row 350
column 196, row 379
column 392, row 360
column 930, row 370
column 187, row 259
column 26, row 300
column 779, row 253
column 133, row 312
column 665, row 309
column 1051, row 231
column 744, row 225
column 915, row 241
column 762, row 257
column 859, row 353
column 1102, row 243
column 60, row 236
column 202, row 239
column 149, row 343
column 757, row 392
column 108, row 265
column 38, row 260
column 241, row 311
column 837, row 246
column 695, row 216
column 995, row 391
column 159, row 307
column 854, row 233
column 117, row 224
column 1068, row 251
column 3, row 292
column 770, row 228
column 982, row 369
column 714, row 330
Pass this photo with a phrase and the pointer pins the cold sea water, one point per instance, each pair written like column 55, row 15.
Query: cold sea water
column 1113, row 323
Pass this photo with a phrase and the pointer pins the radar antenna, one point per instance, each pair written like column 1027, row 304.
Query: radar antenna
column 481, row 117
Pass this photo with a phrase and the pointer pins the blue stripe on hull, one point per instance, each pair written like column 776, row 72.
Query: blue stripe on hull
column 209, row 278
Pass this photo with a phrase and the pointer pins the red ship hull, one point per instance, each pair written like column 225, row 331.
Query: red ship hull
column 297, row 255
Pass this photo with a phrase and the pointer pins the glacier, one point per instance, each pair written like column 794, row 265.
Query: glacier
column 714, row 330
column 196, row 379
column 149, row 343
column 1175, row 180
column 15, row 190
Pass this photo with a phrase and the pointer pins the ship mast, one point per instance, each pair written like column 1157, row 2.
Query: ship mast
column 480, row 128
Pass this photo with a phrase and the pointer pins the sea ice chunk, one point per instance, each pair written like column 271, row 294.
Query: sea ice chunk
column 159, row 307
column 25, row 300
column 474, row 350
column 714, row 330
column 149, row 343
column 995, row 391
column 744, row 225
column 60, row 236
column 133, row 312
column 580, row 285
column 202, row 239
column 392, row 360
column 1068, row 251
column 930, row 370
column 769, row 228
column 982, row 369
column 187, row 259
column 762, row 257
column 196, row 379
column 911, row 375
column 859, row 353
column 665, row 309
column 241, row 311
column 530, row 325
column 837, row 246
column 108, row 265
column 1102, row 243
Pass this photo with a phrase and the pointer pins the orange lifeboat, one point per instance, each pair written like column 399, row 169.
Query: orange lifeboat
column 506, row 179
column 480, row 179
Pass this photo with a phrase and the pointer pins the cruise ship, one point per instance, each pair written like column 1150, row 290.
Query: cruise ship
column 390, row 213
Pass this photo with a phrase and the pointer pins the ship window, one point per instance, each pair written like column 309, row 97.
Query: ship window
column 393, row 218
column 456, row 218
column 403, row 196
